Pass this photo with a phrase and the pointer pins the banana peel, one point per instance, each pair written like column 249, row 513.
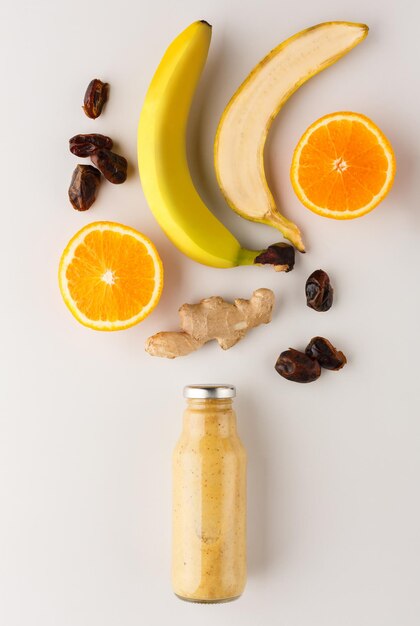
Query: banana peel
column 245, row 123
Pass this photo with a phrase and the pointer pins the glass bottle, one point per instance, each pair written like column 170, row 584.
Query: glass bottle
column 209, row 499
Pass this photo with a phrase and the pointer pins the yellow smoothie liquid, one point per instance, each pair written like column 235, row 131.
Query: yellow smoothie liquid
column 209, row 499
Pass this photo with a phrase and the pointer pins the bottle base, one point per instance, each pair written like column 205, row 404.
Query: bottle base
column 206, row 601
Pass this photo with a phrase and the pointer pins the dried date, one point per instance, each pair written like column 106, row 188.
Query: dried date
column 297, row 366
column 281, row 255
column 95, row 98
column 86, row 145
column 319, row 292
column 113, row 166
column 84, row 187
column 325, row 353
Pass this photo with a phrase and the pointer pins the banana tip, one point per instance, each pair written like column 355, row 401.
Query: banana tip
column 206, row 22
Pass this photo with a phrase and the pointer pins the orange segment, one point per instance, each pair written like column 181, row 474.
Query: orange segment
column 110, row 276
column 343, row 166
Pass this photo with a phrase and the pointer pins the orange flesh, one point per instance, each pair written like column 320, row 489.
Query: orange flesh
column 342, row 167
column 111, row 276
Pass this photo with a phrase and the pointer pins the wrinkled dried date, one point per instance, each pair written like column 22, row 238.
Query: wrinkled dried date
column 113, row 166
column 281, row 255
column 84, row 187
column 297, row 366
column 95, row 97
column 86, row 145
column 319, row 292
column 325, row 353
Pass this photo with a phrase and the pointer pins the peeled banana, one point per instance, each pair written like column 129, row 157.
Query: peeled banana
column 162, row 156
column 246, row 121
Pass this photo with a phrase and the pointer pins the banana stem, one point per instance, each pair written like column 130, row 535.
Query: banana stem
column 247, row 257
column 281, row 256
column 288, row 229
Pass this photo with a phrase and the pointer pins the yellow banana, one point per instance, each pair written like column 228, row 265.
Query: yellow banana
column 245, row 123
column 162, row 156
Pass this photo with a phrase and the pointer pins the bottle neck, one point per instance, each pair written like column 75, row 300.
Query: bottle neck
column 210, row 417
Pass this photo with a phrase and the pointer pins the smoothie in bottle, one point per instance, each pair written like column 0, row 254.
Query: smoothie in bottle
column 209, row 499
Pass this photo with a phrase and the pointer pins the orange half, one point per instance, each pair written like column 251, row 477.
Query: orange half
column 110, row 276
column 343, row 166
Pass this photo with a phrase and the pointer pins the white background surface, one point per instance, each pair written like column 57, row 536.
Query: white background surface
column 88, row 420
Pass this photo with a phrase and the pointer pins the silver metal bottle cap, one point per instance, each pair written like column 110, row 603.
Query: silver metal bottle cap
column 213, row 392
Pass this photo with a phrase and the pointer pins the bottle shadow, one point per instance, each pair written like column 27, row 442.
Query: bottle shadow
column 262, row 532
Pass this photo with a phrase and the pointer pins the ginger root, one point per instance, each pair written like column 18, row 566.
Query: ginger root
column 213, row 318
